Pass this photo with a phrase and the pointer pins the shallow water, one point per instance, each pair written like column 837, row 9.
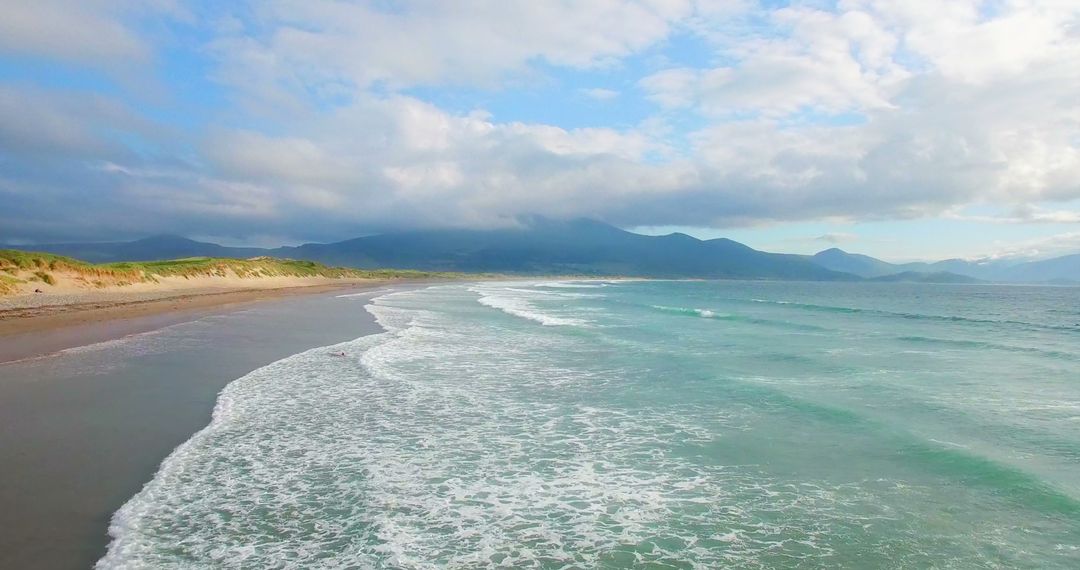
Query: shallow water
column 645, row 424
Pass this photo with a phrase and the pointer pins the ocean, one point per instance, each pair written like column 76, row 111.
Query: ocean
column 644, row 424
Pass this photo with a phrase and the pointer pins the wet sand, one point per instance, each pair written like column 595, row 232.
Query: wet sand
column 28, row 330
column 81, row 431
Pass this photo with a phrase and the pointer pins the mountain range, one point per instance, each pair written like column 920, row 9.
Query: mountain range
column 581, row 247
column 1064, row 269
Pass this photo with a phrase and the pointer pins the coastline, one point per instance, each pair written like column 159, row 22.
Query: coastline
column 82, row 431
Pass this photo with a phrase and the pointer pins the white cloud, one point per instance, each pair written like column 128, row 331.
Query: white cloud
column 1038, row 248
column 94, row 32
column 1023, row 214
column 403, row 160
column 600, row 94
column 318, row 46
column 823, row 61
column 837, row 237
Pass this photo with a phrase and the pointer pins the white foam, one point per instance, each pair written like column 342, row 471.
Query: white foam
column 364, row 293
column 574, row 284
column 703, row 313
column 520, row 303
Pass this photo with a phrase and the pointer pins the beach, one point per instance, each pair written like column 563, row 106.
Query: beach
column 35, row 325
column 82, row 430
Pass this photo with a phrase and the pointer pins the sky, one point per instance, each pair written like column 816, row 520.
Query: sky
column 905, row 130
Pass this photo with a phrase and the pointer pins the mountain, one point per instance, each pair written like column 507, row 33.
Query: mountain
column 575, row 247
column 585, row 247
column 147, row 249
column 1059, row 269
column 837, row 259
column 921, row 277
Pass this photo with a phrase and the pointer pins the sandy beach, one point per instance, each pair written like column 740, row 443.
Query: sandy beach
column 83, row 429
column 35, row 325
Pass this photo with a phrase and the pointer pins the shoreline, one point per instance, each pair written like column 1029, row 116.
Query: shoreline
column 83, row 431
column 46, row 329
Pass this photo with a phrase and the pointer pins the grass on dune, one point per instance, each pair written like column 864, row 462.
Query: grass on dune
column 42, row 266
column 259, row 267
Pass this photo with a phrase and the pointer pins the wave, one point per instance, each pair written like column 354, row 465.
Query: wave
column 703, row 313
column 573, row 285
column 978, row 344
column 942, row 457
column 711, row 314
column 229, row 471
column 917, row 316
column 522, row 307
column 955, row 461
column 556, row 294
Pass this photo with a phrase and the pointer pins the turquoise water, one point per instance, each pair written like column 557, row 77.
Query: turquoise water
column 645, row 424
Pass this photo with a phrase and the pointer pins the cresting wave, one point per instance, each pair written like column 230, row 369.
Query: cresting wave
column 522, row 303
column 711, row 314
column 703, row 313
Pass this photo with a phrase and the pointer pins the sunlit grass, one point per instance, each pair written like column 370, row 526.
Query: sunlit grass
column 42, row 266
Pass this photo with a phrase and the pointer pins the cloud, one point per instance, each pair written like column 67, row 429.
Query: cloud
column 326, row 48
column 1039, row 248
column 96, row 32
column 330, row 126
column 37, row 124
column 600, row 94
column 824, row 61
column 837, row 237
column 1023, row 214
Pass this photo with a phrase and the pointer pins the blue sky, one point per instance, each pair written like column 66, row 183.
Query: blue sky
column 916, row 130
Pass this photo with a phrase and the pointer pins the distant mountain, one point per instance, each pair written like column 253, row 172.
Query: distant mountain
column 147, row 249
column 920, row 277
column 585, row 247
column 574, row 247
column 985, row 269
column 1059, row 269
column 837, row 259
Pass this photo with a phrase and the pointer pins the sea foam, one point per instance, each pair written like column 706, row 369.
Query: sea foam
column 522, row 303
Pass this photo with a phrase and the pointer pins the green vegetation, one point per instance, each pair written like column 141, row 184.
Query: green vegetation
column 34, row 266
column 11, row 260
column 46, row 277
column 258, row 267
column 8, row 284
